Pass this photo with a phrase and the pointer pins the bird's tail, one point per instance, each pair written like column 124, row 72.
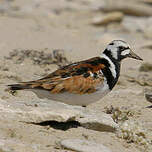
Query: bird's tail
column 20, row 86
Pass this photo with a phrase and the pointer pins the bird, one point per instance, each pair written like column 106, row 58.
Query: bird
column 84, row 82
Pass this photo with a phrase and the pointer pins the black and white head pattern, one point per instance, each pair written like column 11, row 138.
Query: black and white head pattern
column 117, row 50
column 112, row 56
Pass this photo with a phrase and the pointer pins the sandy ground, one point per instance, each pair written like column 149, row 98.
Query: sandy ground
column 66, row 25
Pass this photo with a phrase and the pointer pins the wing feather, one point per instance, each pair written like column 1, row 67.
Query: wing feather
column 80, row 78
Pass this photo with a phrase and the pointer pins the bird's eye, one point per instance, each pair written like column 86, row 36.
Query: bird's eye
column 111, row 43
column 121, row 48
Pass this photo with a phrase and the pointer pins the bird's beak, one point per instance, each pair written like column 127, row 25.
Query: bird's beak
column 134, row 56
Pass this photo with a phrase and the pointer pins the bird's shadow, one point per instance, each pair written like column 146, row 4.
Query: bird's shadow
column 149, row 106
column 58, row 125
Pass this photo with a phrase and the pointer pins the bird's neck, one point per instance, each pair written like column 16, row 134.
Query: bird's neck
column 112, row 70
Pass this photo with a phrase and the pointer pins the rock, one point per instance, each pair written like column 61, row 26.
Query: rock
column 108, row 18
column 129, row 8
column 97, row 121
column 148, row 94
column 42, row 111
column 83, row 145
column 38, row 111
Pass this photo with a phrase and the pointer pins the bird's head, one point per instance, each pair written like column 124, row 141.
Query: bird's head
column 120, row 50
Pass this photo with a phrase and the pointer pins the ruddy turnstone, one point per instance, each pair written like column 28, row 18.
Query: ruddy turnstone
column 83, row 82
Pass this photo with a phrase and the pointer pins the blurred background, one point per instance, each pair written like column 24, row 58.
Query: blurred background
column 84, row 26
column 39, row 36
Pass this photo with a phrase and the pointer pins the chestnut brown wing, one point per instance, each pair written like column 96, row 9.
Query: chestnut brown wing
column 81, row 77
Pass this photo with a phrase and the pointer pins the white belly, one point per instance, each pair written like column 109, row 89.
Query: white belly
column 75, row 99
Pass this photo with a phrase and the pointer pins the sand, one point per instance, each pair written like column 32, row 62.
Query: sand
column 67, row 25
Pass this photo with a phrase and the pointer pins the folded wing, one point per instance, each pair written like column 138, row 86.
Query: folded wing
column 79, row 78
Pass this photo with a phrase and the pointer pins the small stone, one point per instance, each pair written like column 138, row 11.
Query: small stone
column 83, row 145
column 109, row 18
